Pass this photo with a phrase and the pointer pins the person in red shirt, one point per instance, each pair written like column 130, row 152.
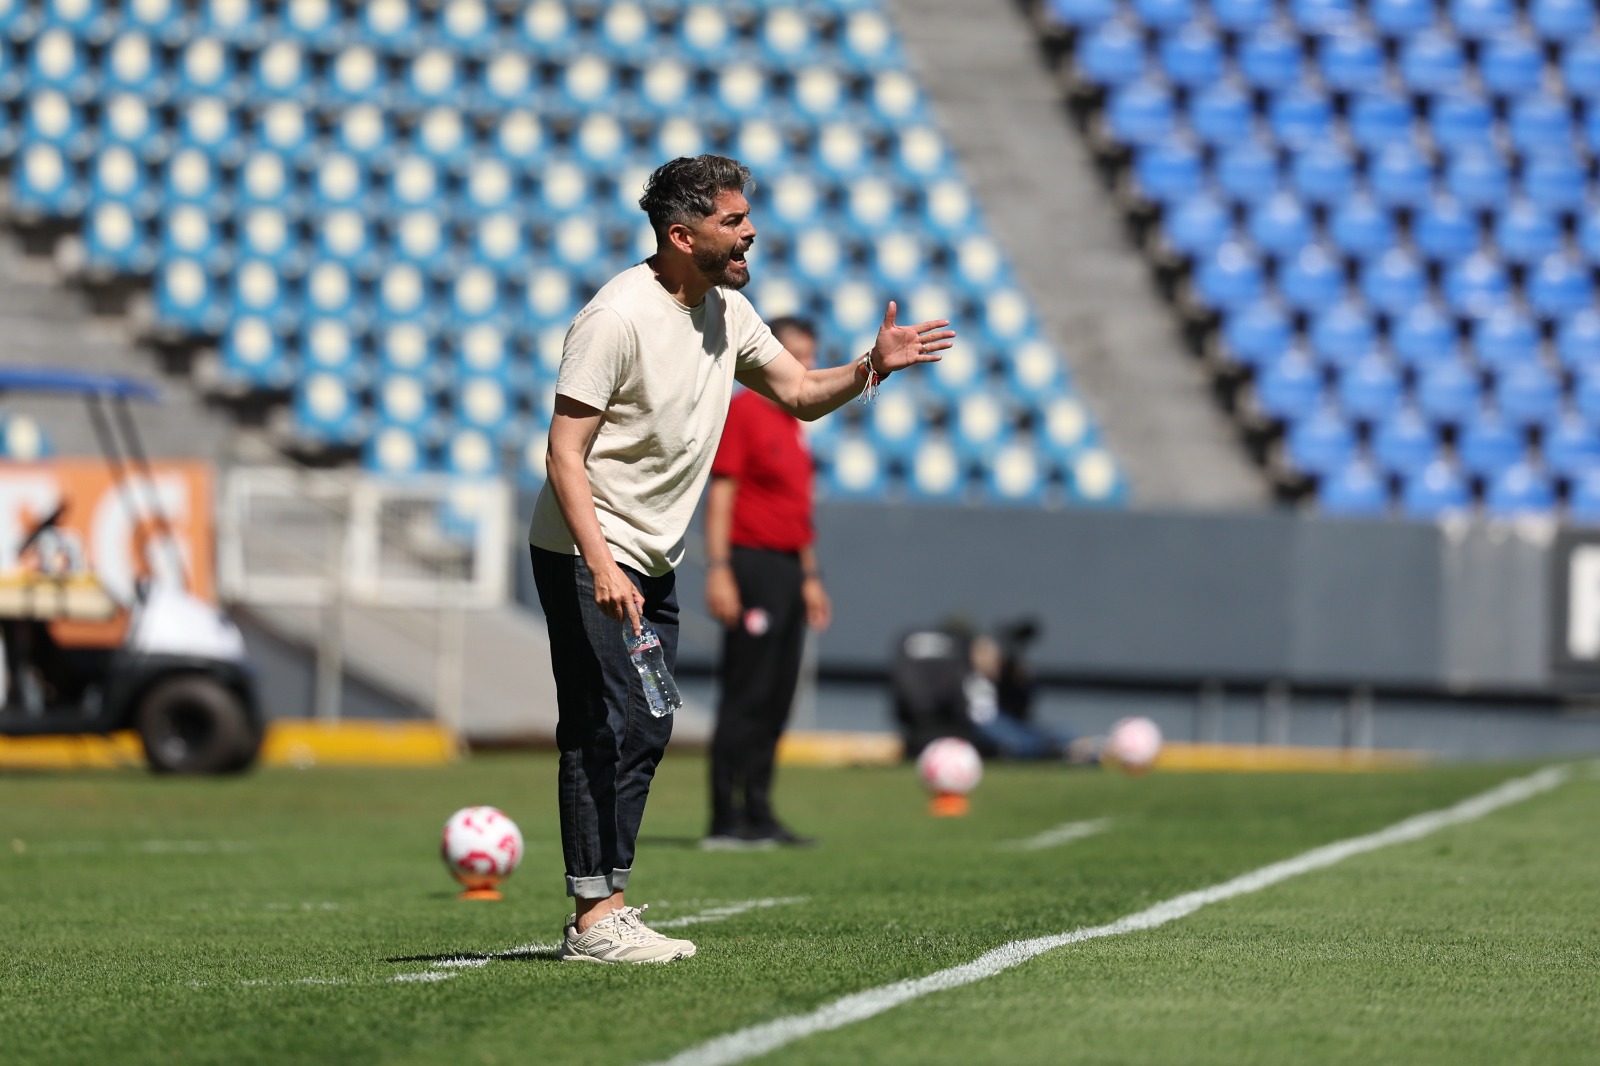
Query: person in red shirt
column 763, row 585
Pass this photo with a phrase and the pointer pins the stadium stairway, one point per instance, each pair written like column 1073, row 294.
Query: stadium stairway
column 1036, row 180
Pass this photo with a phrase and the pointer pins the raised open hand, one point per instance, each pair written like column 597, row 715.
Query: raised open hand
column 899, row 346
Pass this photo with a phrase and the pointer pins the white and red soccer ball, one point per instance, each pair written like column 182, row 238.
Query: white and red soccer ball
column 481, row 847
column 1133, row 744
column 950, row 766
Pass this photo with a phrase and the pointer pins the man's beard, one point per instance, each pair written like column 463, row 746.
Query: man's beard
column 720, row 269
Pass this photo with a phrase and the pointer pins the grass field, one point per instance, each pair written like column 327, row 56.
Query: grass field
column 305, row 917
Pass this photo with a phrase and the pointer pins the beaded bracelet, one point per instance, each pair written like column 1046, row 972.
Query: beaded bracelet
column 869, row 392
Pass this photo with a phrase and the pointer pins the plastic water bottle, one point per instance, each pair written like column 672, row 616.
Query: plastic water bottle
column 660, row 691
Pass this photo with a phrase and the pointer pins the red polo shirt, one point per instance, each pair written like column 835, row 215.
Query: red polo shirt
column 764, row 450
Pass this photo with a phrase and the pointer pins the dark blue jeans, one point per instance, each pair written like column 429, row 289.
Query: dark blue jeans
column 610, row 742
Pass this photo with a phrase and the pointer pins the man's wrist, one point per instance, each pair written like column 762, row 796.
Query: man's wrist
column 872, row 363
column 718, row 564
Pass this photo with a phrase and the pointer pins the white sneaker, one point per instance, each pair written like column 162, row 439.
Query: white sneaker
column 621, row 936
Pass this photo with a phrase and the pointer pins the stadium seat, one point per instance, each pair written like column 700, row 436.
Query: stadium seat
column 1580, row 68
column 1578, row 340
column 868, row 42
column 1377, row 118
column 1560, row 285
column 1489, row 443
column 328, row 345
column 1228, row 279
column 1570, row 446
column 1300, row 118
column 1320, row 444
column 1540, row 123
column 1506, row 338
column 1524, row 233
column 1394, row 282
column 1270, row 59
column 1458, row 121
column 1035, row 370
column 1280, row 225
column 1400, row 18
column 1423, row 334
column 1343, row 334
column 1079, row 14
column 1527, row 393
column 1448, row 391
column 1370, row 389
column 856, row 470
column 1357, row 490
column 1247, row 172
column 1432, row 62
column 1192, row 57
column 1350, row 61
column 326, row 410
column 1555, row 180
column 252, row 355
column 1482, row 18
column 1510, row 65
column 1583, row 504
column 1518, row 490
column 1478, row 179
column 1438, row 491
column 1561, row 20
column 1312, row 280
column 134, row 64
column 1404, row 442
column 396, row 451
column 1141, row 113
column 1168, row 173
column 1221, row 114
column 1239, row 16
column 1256, row 334
column 1476, row 285
column 936, row 473
column 115, row 240
column 1323, row 173
column 1400, row 177
column 1586, row 394
column 1360, row 229
column 1288, row 388
column 1444, row 231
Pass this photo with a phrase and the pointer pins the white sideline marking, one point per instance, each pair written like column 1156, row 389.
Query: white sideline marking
column 769, row 1036
column 1061, row 834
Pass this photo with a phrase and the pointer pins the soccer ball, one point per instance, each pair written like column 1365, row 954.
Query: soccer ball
column 950, row 765
column 1134, row 744
column 481, row 847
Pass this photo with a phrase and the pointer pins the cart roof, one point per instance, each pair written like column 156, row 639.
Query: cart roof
column 74, row 382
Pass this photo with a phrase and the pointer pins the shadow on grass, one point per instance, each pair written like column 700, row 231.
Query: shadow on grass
column 470, row 958
column 670, row 842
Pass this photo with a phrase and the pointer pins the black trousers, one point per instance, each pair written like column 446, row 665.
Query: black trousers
column 760, row 669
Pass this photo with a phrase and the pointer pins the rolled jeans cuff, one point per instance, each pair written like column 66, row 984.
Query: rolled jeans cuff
column 601, row 887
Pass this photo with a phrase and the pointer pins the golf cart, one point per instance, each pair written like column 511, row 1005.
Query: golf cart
column 166, row 663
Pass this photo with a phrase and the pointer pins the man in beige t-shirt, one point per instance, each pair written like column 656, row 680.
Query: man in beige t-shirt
column 646, row 375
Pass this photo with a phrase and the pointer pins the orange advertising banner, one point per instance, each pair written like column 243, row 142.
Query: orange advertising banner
column 122, row 531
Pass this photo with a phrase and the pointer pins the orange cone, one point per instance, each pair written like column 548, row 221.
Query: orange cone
column 481, row 893
column 949, row 805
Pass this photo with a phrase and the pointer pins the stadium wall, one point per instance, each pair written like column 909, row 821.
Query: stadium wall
column 1191, row 598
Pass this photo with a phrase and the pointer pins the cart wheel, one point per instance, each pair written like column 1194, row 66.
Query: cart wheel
column 192, row 725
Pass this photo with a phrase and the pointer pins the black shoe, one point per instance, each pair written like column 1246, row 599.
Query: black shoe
column 782, row 834
column 739, row 838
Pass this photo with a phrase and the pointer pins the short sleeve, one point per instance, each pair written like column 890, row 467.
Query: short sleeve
column 594, row 357
column 757, row 345
column 735, row 445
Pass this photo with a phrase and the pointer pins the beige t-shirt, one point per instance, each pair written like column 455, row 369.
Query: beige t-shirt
column 663, row 374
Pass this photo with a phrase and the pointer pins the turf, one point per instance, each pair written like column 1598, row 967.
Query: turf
column 267, row 918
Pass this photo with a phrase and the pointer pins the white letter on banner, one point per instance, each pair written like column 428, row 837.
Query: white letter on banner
column 1583, row 602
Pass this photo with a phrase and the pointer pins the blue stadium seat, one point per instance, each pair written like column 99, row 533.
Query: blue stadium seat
column 895, row 98
column 85, row 18
column 1583, row 506
column 391, row 25
column 867, row 42
column 1489, row 443
column 1111, row 55
column 1270, row 59
column 396, row 451
column 326, row 410
column 1343, row 334
column 1240, row 16
column 417, row 238
column 475, row 295
column 1006, row 314
column 1247, row 172
column 1257, row 334
column 1323, row 16
column 1476, row 285
column 406, row 348
column 1377, row 118
column 50, row 118
column 1035, row 371
column 280, row 71
column 44, row 182
column 1400, row 18
column 758, row 143
column 266, row 232
column 251, row 354
column 1540, row 123
column 1142, row 112
column 1505, row 338
column 1192, row 57
column 979, row 265
column 1461, row 120
column 364, row 132
column 1561, row 20
column 400, row 293
column 518, row 137
column 1093, row 477
column 469, row 452
column 206, row 68
column 1360, row 229
column 1062, row 428
column 1510, row 65
column 1165, row 15
column 340, row 180
column 1524, row 233
column 936, row 474
column 1482, row 18
column 1350, row 61
column 162, row 20
column 1555, row 180
column 1433, row 62
column 1444, row 231
column 282, row 127
column 484, row 402
column 355, row 75
column 1586, row 394
column 115, row 240
column 1560, row 285
column 856, row 470
column 1580, row 68
column 1400, row 177
column 1478, row 179
column 405, row 400
column 1222, row 114
column 1578, row 340
column 466, row 27
column 1323, row 173
column 741, row 90
column 817, row 94
column 1228, row 279
column 1448, row 391
column 1280, row 225
column 1422, row 335
column 1570, row 446
column 545, row 30
column 1405, row 442
column 500, row 242
column 1355, row 491
column 564, row 189
column 1394, row 282
column 1527, row 393
column 1288, row 388
column 842, row 152
column 327, row 344
column 1519, row 489
column 1370, row 389
column 57, row 60
column 1312, row 280
column 1300, row 117
column 1320, row 444
column 981, row 425
column 1437, row 491
column 258, row 289
column 488, row 186
column 133, row 63
column 895, row 425
column 1078, row 14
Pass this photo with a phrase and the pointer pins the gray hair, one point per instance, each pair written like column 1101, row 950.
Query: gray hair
column 685, row 190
